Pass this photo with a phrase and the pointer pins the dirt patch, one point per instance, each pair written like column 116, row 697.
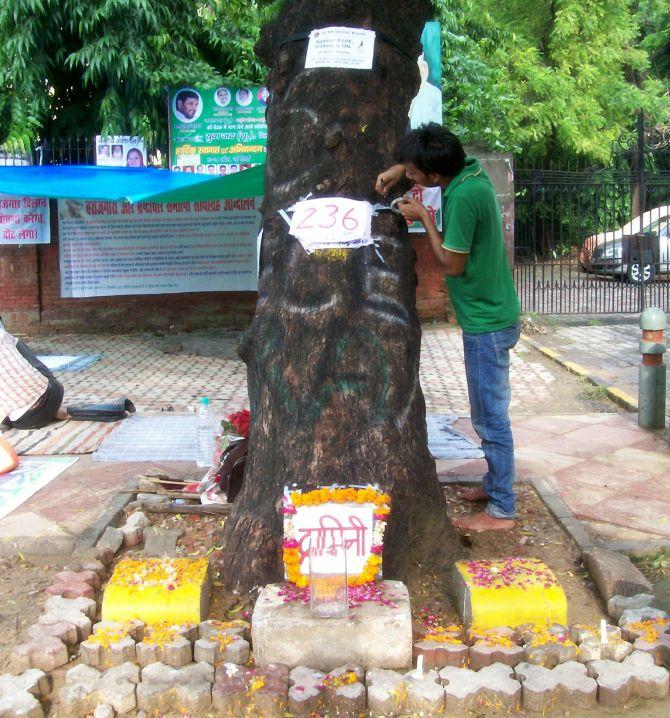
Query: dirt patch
column 536, row 535
column 21, row 601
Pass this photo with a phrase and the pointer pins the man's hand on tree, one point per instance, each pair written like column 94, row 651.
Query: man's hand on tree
column 412, row 210
column 389, row 178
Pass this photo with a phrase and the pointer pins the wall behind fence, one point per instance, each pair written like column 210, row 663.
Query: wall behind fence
column 30, row 298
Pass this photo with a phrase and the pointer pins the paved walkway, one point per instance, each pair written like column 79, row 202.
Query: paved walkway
column 607, row 353
column 611, row 473
column 158, row 372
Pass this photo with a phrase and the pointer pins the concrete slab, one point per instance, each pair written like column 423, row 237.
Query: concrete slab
column 374, row 636
column 73, row 509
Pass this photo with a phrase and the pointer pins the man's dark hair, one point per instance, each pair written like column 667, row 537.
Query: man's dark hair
column 184, row 95
column 432, row 148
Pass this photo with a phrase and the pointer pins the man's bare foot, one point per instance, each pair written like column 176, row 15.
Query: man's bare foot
column 61, row 415
column 476, row 523
column 475, row 494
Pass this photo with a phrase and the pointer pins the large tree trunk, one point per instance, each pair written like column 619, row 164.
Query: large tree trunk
column 333, row 350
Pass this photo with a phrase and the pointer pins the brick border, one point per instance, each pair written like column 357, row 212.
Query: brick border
column 106, row 517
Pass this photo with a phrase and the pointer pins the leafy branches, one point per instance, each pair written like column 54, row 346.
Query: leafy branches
column 559, row 78
column 83, row 66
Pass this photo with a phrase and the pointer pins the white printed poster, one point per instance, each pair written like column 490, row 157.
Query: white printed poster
column 345, row 47
column 24, row 220
column 331, row 222
column 120, row 151
column 116, row 248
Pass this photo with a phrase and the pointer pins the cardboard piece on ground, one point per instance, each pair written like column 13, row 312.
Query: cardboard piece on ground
column 31, row 475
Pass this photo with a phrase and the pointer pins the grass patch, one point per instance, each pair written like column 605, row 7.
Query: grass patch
column 655, row 565
column 593, row 392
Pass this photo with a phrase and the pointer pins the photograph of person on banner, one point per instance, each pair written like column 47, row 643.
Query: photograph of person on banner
column 134, row 158
column 426, row 107
column 243, row 96
column 222, row 97
column 187, row 105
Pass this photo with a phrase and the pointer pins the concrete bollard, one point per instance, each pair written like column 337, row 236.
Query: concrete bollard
column 651, row 396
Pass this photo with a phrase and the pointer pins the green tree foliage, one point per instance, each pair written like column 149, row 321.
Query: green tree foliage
column 84, row 66
column 654, row 20
column 550, row 78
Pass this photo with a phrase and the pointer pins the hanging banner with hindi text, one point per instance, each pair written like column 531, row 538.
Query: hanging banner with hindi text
column 24, row 220
column 117, row 248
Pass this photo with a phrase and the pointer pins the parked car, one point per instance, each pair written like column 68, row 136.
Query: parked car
column 603, row 253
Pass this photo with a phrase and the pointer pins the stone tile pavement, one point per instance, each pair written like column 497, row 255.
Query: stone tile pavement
column 608, row 353
column 158, row 372
column 608, row 471
column 612, row 475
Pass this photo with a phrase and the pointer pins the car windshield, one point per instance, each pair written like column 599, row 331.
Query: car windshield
column 648, row 221
column 660, row 226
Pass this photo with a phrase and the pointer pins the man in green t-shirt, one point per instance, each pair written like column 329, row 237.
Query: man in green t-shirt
column 480, row 285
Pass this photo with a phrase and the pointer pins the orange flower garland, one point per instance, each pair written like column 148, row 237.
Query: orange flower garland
column 339, row 495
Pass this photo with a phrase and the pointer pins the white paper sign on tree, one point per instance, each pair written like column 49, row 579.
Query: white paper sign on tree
column 345, row 47
column 331, row 223
column 332, row 520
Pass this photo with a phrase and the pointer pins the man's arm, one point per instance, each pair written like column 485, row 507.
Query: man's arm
column 454, row 262
column 389, row 178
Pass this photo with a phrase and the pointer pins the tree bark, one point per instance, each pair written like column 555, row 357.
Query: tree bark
column 333, row 350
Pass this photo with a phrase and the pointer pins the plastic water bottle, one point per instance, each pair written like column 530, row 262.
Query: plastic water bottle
column 204, row 434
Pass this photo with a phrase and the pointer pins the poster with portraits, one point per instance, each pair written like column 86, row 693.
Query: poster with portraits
column 120, row 151
column 217, row 130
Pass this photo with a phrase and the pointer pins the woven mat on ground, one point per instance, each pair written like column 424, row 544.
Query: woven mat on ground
column 60, row 437
column 444, row 442
column 69, row 362
column 160, row 437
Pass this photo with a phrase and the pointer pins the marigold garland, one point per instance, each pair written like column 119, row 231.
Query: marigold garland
column 169, row 573
column 345, row 679
column 339, row 495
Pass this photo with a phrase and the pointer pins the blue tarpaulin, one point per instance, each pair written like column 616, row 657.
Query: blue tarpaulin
column 127, row 184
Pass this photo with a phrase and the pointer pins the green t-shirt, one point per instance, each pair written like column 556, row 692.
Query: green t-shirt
column 484, row 296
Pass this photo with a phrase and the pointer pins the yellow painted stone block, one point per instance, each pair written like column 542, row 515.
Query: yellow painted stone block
column 152, row 590
column 509, row 592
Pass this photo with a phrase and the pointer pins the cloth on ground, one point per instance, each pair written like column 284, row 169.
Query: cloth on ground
column 444, row 442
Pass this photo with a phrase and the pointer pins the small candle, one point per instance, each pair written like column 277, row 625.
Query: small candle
column 419, row 665
column 603, row 630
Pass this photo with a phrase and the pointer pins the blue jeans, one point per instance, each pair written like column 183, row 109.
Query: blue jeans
column 487, row 373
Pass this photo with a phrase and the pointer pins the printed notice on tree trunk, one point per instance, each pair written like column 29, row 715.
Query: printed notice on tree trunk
column 346, row 47
column 117, row 248
column 331, row 223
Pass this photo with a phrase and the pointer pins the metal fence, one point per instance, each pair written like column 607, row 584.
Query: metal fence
column 61, row 151
column 592, row 241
